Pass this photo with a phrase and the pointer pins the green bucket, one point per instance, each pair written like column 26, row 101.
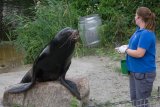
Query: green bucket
column 124, row 67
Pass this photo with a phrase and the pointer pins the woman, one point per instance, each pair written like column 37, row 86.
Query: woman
column 141, row 53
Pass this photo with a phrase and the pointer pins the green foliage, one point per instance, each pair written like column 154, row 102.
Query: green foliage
column 74, row 102
column 16, row 105
column 52, row 15
column 118, row 16
column 114, row 31
column 85, row 7
column 34, row 34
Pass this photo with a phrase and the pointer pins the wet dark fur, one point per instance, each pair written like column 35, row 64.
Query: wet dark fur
column 52, row 63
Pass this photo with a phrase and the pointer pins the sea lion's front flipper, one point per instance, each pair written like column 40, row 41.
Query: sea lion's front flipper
column 18, row 88
column 71, row 86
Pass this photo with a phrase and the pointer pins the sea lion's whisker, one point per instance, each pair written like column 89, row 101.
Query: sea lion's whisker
column 69, row 38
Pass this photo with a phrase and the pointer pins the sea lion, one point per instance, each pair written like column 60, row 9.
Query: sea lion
column 52, row 63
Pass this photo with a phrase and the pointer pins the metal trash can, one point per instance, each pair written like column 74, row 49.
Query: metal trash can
column 88, row 27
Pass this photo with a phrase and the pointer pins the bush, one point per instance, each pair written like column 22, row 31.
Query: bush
column 34, row 34
column 53, row 15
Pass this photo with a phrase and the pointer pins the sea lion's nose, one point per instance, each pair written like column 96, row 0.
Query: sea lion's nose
column 76, row 32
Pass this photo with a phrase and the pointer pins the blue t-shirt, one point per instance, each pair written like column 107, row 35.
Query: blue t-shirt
column 145, row 39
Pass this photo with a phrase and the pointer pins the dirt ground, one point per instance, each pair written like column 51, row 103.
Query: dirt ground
column 106, row 84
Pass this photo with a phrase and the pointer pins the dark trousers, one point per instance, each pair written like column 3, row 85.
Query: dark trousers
column 141, row 87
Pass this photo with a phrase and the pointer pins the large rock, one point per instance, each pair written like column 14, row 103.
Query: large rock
column 49, row 94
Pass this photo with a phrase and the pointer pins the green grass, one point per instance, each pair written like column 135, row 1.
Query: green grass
column 74, row 102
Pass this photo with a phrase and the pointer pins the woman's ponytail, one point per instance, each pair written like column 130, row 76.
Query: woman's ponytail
column 148, row 17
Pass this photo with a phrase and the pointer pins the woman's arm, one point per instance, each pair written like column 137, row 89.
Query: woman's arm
column 136, row 53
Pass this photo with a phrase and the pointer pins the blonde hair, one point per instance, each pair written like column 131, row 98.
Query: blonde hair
column 148, row 17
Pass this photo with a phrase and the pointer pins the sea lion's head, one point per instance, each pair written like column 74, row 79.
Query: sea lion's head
column 67, row 35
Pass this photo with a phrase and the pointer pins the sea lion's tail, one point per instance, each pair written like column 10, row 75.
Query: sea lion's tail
column 21, row 87
column 18, row 88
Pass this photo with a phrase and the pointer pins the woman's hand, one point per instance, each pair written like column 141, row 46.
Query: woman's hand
column 121, row 49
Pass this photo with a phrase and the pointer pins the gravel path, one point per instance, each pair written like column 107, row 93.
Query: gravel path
column 105, row 83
